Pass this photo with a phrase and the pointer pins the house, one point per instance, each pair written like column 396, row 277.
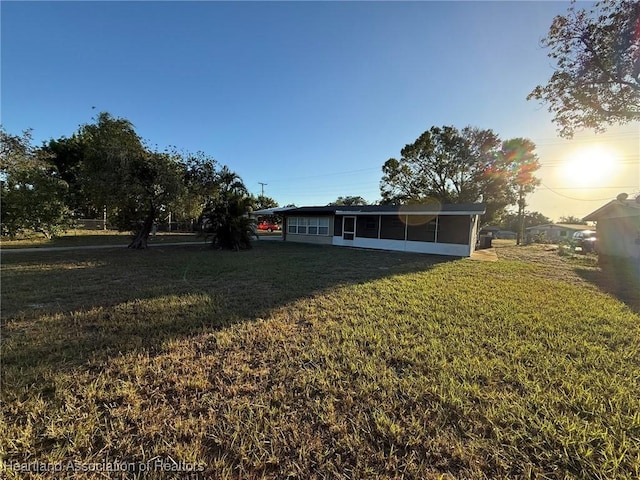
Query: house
column 433, row 228
column 491, row 230
column 506, row 235
column 618, row 227
column 552, row 232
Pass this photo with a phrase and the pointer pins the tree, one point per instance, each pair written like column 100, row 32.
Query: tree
column 453, row 166
column 521, row 161
column 67, row 155
column 200, row 178
column 226, row 215
column 32, row 193
column 349, row 201
column 512, row 221
column 570, row 219
column 597, row 80
column 119, row 172
column 262, row 202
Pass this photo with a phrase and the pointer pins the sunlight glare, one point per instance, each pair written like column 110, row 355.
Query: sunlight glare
column 590, row 166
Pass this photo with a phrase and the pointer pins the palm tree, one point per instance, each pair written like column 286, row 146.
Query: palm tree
column 227, row 213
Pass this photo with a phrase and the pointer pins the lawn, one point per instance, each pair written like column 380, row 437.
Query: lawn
column 300, row 361
column 74, row 238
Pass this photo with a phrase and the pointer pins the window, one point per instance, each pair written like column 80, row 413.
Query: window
column 308, row 225
column 302, row 225
column 563, row 233
column 323, row 226
column 292, row 225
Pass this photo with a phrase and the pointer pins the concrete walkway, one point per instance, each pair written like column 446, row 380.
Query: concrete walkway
column 485, row 255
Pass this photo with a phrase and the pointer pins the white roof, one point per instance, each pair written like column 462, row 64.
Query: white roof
column 270, row 211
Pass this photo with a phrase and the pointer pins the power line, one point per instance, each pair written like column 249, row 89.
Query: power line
column 349, row 172
column 573, row 198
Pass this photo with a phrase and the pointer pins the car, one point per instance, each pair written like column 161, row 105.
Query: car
column 585, row 241
column 268, row 226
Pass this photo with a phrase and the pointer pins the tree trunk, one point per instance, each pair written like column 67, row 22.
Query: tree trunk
column 521, row 207
column 142, row 235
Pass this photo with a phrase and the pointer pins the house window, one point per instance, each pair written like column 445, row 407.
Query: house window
column 308, row 225
column 323, row 226
column 292, row 225
column 563, row 233
column 302, row 225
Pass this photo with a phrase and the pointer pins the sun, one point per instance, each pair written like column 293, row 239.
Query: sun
column 590, row 166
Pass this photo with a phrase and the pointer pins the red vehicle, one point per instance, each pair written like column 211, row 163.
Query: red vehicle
column 268, row 226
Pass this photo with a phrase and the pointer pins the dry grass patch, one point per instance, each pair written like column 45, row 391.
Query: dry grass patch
column 78, row 238
column 316, row 362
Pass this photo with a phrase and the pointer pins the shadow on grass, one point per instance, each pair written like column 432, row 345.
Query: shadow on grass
column 64, row 309
column 618, row 278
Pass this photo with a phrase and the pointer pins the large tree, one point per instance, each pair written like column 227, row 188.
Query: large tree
column 597, row 76
column 348, row 201
column 456, row 166
column 67, row 155
column 31, row 188
column 119, row 172
column 200, row 178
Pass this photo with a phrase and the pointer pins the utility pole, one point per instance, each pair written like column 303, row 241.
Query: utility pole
column 262, row 184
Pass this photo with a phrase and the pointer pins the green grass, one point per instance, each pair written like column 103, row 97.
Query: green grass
column 318, row 362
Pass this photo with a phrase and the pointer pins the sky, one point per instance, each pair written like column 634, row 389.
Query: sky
column 309, row 98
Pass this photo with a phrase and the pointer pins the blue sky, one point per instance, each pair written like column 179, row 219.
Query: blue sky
column 309, row 97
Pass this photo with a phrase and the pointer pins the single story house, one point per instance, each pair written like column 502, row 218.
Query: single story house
column 506, row 235
column 618, row 227
column 553, row 232
column 434, row 228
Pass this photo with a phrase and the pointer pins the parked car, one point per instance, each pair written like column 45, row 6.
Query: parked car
column 268, row 226
column 585, row 241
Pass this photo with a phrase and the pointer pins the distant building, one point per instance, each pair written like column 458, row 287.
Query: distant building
column 553, row 232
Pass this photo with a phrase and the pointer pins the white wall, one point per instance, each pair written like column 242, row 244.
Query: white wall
column 453, row 249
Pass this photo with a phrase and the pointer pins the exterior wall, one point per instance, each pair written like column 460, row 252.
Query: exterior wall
column 555, row 233
column 473, row 233
column 619, row 237
column 316, row 239
column 453, row 235
column 405, row 246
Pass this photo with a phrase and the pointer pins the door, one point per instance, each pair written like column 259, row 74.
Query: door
column 348, row 228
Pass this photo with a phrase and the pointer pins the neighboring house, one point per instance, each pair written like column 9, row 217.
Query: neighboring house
column 553, row 232
column 618, row 229
column 506, row 235
column 496, row 232
column 435, row 229
column 490, row 230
